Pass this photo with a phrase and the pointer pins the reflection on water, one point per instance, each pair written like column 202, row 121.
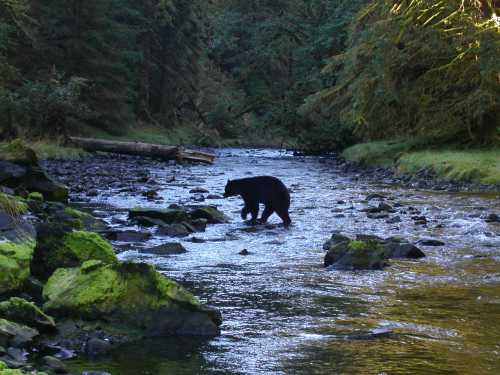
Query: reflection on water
column 284, row 314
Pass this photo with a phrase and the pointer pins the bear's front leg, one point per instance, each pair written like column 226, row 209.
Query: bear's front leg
column 244, row 212
column 254, row 211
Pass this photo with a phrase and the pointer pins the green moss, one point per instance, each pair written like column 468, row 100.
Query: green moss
column 13, row 205
column 82, row 220
column 11, row 372
column 117, row 290
column 460, row 165
column 381, row 153
column 48, row 149
column 21, row 311
column 78, row 247
column 35, row 196
column 15, row 259
column 3, row 366
column 18, row 152
column 358, row 245
column 472, row 165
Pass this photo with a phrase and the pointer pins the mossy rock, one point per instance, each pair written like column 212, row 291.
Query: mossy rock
column 16, row 335
column 21, row 311
column 360, row 254
column 30, row 176
column 212, row 214
column 18, row 152
column 84, row 221
column 3, row 366
column 61, row 247
column 13, row 205
column 366, row 251
column 168, row 216
column 127, row 293
column 15, row 259
column 35, row 196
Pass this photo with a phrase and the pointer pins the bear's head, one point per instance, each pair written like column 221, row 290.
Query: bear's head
column 230, row 189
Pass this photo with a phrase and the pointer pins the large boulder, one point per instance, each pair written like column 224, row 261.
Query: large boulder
column 21, row 311
column 15, row 260
column 131, row 294
column 61, row 247
column 366, row 251
column 22, row 171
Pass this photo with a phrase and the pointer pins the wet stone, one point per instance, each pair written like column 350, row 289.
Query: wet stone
column 492, row 218
column 55, row 365
column 173, row 230
column 198, row 190
column 128, row 236
column 96, row 347
column 430, row 242
column 169, row 248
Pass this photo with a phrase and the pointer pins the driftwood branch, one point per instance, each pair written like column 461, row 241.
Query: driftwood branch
column 143, row 149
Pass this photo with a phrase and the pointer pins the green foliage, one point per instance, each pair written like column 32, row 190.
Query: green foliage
column 275, row 50
column 417, row 68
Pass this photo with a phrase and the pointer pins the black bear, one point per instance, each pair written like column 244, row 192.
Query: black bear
column 262, row 189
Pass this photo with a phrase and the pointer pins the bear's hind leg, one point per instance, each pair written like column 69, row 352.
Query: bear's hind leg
column 283, row 214
column 268, row 211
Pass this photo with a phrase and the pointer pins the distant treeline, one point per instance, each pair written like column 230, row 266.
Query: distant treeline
column 325, row 72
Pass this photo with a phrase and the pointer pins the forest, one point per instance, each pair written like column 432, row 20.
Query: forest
column 325, row 74
column 249, row 187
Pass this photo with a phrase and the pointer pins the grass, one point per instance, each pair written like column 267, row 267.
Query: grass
column 382, row 153
column 467, row 165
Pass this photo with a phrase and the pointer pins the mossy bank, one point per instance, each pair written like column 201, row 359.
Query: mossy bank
column 476, row 166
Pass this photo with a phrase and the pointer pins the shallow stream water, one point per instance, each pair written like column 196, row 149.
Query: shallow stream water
column 283, row 312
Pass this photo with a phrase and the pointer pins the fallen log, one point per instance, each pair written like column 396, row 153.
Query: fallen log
column 143, row 149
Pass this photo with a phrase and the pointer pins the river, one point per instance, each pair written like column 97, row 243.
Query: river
column 283, row 312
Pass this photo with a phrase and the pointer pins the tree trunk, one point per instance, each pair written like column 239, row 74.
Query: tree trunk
column 143, row 149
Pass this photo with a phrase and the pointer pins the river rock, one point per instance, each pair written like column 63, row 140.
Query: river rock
column 21, row 311
column 131, row 294
column 170, row 248
column 15, row 260
column 58, row 247
column 198, row 190
column 212, row 214
column 492, row 218
column 168, row 216
column 394, row 220
column 430, row 242
column 55, row 365
column 174, row 230
column 22, row 171
column 128, row 236
column 370, row 197
column 15, row 335
column 96, row 347
column 199, row 225
column 346, row 254
column 402, row 249
column 366, row 251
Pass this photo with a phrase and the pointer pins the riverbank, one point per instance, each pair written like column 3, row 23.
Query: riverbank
column 186, row 135
column 469, row 166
